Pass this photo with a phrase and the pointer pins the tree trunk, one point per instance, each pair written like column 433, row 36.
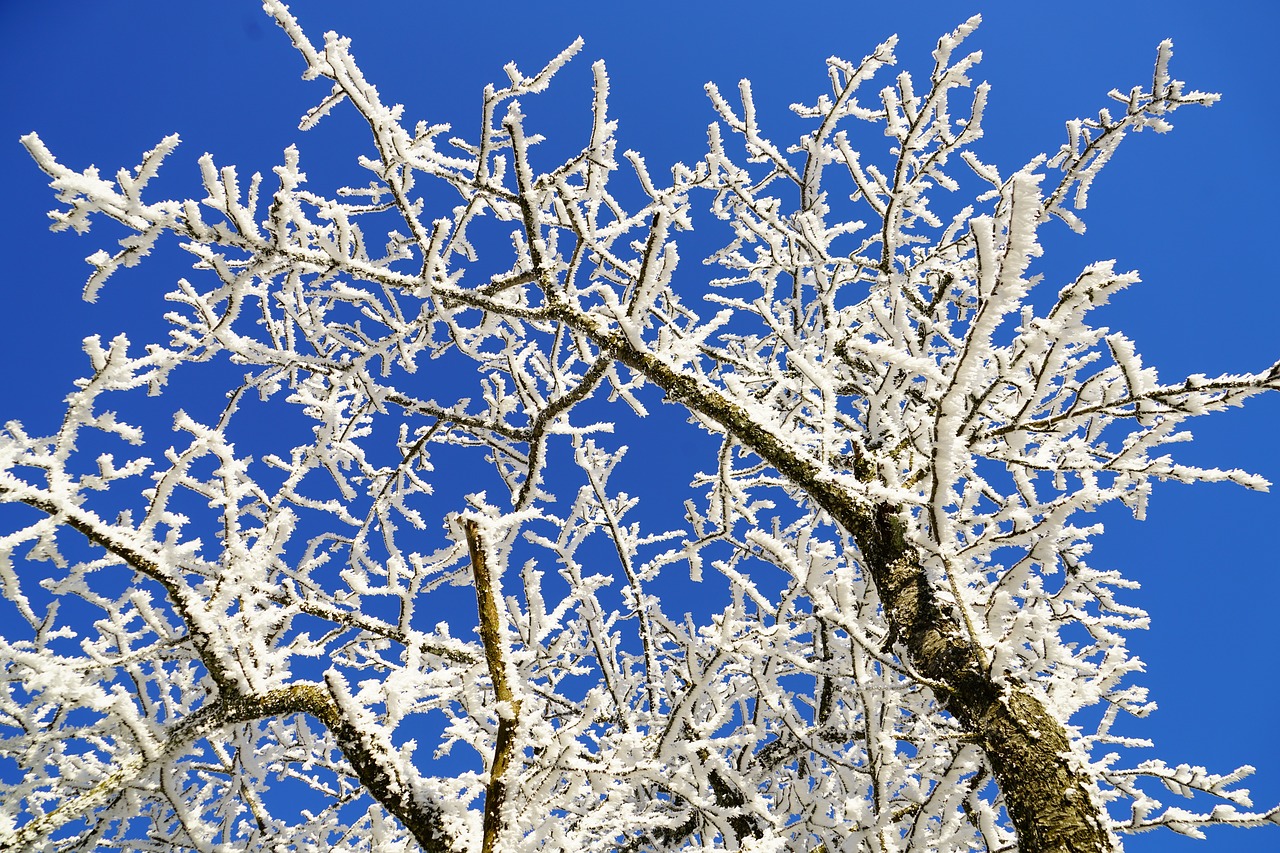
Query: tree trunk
column 1048, row 798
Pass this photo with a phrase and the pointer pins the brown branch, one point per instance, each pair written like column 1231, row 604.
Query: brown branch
column 491, row 631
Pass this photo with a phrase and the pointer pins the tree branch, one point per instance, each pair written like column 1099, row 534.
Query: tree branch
column 492, row 635
column 376, row 773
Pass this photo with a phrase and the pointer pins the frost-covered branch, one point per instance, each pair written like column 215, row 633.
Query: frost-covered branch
column 912, row 651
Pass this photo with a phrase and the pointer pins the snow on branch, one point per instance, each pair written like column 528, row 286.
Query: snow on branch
column 876, row 613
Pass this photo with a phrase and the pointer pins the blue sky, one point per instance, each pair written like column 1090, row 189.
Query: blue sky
column 1193, row 211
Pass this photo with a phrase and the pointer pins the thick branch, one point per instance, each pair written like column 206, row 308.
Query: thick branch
column 491, row 635
column 376, row 773
column 192, row 728
column 421, row 819
column 1048, row 797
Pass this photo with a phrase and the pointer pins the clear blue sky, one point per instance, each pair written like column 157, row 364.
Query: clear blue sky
column 1194, row 211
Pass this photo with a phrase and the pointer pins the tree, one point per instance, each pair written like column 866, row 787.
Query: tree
column 913, row 651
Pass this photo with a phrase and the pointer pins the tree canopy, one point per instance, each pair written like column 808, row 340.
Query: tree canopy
column 421, row 592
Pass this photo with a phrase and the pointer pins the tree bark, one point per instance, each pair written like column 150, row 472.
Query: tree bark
column 1049, row 799
column 491, row 630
